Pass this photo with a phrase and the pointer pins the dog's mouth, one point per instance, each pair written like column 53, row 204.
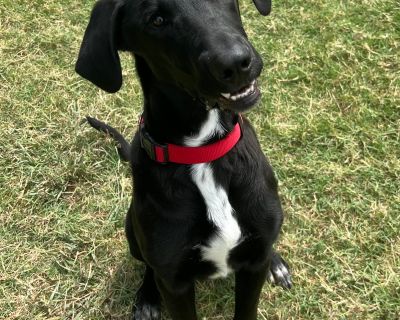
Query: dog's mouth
column 242, row 93
column 241, row 99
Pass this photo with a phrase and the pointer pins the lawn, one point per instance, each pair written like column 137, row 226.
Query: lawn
column 329, row 121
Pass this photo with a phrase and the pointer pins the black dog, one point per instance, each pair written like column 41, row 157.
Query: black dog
column 205, row 197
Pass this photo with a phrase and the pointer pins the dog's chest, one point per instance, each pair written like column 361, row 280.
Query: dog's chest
column 220, row 214
column 219, row 210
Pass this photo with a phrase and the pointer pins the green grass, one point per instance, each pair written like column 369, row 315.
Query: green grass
column 329, row 122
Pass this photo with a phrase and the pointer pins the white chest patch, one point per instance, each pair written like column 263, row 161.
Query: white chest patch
column 219, row 210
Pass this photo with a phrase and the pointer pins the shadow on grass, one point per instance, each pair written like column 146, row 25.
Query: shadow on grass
column 214, row 299
column 120, row 290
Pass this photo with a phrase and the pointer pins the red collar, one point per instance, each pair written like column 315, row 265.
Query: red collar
column 168, row 152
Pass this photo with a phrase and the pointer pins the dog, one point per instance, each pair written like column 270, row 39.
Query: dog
column 205, row 202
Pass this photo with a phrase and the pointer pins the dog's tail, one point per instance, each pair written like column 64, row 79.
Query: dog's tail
column 124, row 148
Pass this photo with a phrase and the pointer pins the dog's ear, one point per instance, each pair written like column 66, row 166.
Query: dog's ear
column 98, row 59
column 263, row 6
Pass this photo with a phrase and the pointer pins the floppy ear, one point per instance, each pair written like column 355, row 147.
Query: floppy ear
column 263, row 6
column 98, row 59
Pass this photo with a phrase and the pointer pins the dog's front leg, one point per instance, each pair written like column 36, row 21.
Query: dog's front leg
column 180, row 302
column 148, row 300
column 247, row 292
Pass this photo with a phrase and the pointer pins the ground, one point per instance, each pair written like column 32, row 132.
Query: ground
column 328, row 120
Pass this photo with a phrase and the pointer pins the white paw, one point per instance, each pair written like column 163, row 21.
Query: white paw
column 147, row 312
column 279, row 273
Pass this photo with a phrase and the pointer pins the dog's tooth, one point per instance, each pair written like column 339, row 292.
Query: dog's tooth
column 245, row 92
column 226, row 95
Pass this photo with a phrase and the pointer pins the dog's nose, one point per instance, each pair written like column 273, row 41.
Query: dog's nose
column 232, row 65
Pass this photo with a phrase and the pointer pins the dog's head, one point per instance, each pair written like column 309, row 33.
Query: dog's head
column 197, row 45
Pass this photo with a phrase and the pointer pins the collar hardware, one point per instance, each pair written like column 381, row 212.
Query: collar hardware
column 152, row 148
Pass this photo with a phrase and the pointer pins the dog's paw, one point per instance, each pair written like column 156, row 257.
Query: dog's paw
column 145, row 311
column 279, row 273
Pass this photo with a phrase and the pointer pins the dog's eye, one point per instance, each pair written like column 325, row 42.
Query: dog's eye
column 158, row 21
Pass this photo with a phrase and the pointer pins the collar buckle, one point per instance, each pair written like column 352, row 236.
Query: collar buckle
column 155, row 151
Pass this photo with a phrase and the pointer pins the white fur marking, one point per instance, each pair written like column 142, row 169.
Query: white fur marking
column 207, row 130
column 219, row 210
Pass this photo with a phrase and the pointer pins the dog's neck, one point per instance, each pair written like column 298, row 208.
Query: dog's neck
column 170, row 113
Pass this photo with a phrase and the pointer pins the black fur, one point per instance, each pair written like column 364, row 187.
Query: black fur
column 200, row 51
column 124, row 148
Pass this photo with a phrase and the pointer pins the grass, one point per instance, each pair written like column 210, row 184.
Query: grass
column 329, row 122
